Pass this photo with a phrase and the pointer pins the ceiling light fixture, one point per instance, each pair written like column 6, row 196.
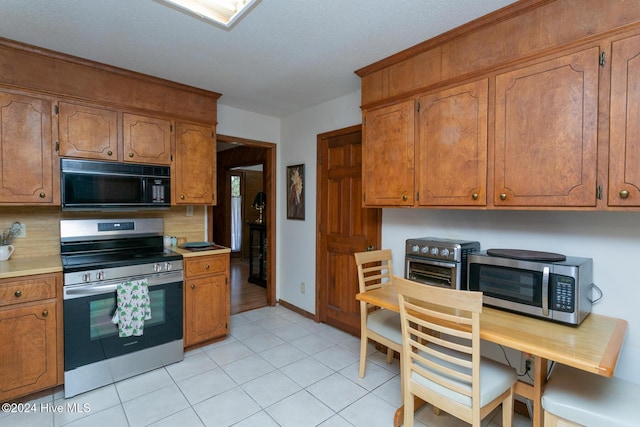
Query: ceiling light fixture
column 224, row 13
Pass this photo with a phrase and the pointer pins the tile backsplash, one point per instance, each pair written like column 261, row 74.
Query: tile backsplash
column 43, row 225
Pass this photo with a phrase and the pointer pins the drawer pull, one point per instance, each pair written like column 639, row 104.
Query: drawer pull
column 193, row 286
column 206, row 267
column 18, row 294
column 45, row 313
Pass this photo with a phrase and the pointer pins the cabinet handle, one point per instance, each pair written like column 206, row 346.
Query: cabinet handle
column 193, row 286
column 42, row 195
column 110, row 153
column 130, row 154
column 45, row 313
column 18, row 294
column 474, row 196
column 206, row 267
column 182, row 196
column 404, row 197
column 624, row 194
column 503, row 196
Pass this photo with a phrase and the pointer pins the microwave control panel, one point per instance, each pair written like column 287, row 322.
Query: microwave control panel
column 563, row 293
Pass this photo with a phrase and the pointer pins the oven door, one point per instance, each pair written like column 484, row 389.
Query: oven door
column 432, row 272
column 89, row 334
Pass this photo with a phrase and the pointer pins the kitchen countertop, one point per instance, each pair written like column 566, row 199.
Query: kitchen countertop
column 186, row 253
column 30, row 266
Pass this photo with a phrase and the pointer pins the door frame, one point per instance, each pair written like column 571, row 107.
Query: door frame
column 269, row 173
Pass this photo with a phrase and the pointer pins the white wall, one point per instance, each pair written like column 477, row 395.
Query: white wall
column 245, row 124
column 296, row 241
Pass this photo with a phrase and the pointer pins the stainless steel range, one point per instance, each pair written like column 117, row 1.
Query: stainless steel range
column 99, row 258
column 438, row 262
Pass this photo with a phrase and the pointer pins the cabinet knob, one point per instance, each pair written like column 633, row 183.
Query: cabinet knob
column 206, row 266
column 110, row 153
column 18, row 294
column 503, row 196
column 45, row 313
column 130, row 154
column 624, row 194
column 474, row 196
column 404, row 197
column 182, row 196
column 42, row 195
column 193, row 286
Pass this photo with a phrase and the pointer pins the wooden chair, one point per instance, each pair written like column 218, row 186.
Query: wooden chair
column 445, row 369
column 382, row 326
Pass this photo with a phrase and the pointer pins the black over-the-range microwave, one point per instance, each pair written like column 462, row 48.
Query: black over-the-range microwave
column 98, row 185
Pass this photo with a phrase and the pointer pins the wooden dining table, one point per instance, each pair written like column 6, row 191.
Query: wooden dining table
column 592, row 346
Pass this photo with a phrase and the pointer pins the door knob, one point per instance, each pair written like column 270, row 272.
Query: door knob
column 370, row 248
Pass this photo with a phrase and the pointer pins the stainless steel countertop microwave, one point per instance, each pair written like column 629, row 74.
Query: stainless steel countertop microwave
column 552, row 290
column 99, row 185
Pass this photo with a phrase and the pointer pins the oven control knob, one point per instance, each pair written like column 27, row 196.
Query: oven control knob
column 100, row 275
column 415, row 249
column 167, row 266
column 86, row 277
column 425, row 250
column 444, row 252
column 157, row 268
column 434, row 251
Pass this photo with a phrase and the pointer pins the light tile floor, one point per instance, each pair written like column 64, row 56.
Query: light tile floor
column 276, row 368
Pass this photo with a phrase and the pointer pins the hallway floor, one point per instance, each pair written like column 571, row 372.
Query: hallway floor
column 276, row 368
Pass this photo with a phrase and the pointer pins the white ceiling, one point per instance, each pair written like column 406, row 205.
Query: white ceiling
column 284, row 56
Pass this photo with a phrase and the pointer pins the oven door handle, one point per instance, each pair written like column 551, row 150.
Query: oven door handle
column 85, row 290
column 545, row 291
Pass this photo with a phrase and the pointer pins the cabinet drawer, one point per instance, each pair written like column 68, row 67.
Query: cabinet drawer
column 211, row 264
column 19, row 290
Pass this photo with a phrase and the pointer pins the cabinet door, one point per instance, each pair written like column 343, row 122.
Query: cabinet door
column 207, row 308
column 452, row 146
column 26, row 154
column 624, row 132
column 387, row 155
column 87, row 132
column 546, row 133
column 146, row 139
column 194, row 173
column 27, row 349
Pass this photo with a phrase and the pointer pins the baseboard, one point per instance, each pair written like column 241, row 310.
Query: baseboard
column 297, row 310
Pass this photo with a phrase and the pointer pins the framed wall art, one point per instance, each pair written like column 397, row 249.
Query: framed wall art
column 295, row 192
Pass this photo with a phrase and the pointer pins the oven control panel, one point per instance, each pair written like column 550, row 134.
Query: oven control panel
column 440, row 249
column 120, row 273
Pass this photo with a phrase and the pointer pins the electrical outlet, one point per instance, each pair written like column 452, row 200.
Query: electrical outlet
column 526, row 364
column 303, row 287
column 23, row 231
column 189, row 210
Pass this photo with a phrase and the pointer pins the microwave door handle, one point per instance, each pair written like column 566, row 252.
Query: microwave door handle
column 545, row 291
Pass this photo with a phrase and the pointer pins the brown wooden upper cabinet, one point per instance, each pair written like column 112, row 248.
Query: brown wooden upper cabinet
column 624, row 131
column 546, row 133
column 26, row 150
column 87, row 131
column 388, row 155
column 146, row 139
column 194, row 169
column 452, row 146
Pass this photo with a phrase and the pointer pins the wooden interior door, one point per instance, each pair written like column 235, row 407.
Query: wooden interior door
column 344, row 227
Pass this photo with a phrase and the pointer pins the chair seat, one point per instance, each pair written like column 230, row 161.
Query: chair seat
column 387, row 324
column 590, row 399
column 495, row 378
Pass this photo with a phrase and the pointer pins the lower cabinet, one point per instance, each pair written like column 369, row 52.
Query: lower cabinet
column 207, row 298
column 30, row 344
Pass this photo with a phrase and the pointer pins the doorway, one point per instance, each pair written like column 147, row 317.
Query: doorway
column 344, row 227
column 245, row 162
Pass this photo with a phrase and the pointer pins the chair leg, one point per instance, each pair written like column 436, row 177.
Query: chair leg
column 389, row 355
column 507, row 410
column 409, row 409
column 363, row 355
